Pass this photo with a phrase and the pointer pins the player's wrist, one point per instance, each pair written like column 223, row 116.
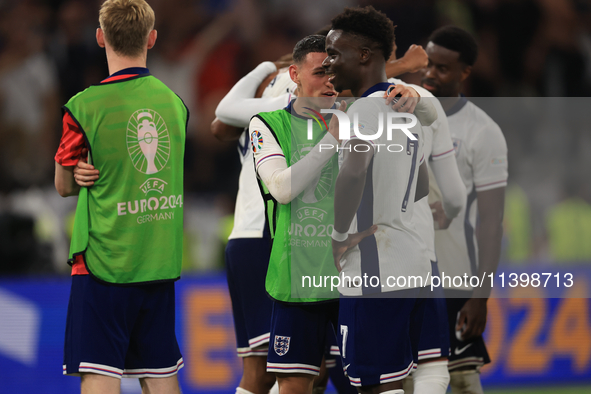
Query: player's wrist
column 339, row 237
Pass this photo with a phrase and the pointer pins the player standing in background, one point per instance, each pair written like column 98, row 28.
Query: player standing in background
column 127, row 242
column 379, row 336
column 471, row 245
column 431, row 375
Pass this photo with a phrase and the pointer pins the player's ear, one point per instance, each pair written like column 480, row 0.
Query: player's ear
column 364, row 55
column 294, row 74
column 152, row 38
column 100, row 37
column 465, row 73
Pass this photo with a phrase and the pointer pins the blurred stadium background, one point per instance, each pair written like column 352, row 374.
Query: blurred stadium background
column 528, row 48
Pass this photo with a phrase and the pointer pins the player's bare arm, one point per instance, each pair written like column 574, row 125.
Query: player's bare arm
column 413, row 60
column 224, row 132
column 348, row 193
column 491, row 204
column 64, row 181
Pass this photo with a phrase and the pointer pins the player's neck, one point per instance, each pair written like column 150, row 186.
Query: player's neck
column 448, row 102
column 117, row 62
column 368, row 79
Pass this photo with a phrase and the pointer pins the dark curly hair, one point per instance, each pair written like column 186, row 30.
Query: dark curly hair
column 457, row 40
column 368, row 23
column 310, row 44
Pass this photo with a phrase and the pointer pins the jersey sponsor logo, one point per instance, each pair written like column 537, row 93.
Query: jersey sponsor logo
column 281, row 345
column 458, row 351
column 457, row 145
column 256, row 139
column 148, row 142
column 321, row 185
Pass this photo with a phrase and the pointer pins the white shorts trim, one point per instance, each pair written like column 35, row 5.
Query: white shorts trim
column 154, row 372
column 429, row 353
column 260, row 340
column 334, row 351
column 394, row 376
column 99, row 369
column 248, row 352
column 293, row 368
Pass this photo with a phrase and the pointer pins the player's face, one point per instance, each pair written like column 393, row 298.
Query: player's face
column 342, row 61
column 445, row 72
column 314, row 81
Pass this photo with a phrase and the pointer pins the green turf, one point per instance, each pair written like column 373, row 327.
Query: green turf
column 544, row 390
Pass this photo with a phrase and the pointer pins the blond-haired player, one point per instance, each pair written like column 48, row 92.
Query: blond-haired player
column 126, row 247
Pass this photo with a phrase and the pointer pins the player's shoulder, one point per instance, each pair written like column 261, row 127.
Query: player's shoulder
column 280, row 85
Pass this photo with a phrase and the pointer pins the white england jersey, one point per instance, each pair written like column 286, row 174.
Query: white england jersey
column 437, row 144
column 249, row 214
column 481, row 154
column 396, row 249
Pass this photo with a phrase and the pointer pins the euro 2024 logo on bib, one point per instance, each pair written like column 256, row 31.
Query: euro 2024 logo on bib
column 148, row 141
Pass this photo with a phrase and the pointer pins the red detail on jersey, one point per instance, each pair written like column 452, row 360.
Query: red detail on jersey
column 71, row 144
column 118, row 77
column 78, row 268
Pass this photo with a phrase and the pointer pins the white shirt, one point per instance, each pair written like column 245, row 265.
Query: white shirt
column 249, row 213
column 481, row 154
column 399, row 250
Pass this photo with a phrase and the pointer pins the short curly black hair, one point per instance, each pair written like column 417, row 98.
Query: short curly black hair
column 310, row 44
column 369, row 23
column 457, row 40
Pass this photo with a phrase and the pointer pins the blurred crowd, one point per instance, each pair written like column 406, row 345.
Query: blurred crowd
column 48, row 52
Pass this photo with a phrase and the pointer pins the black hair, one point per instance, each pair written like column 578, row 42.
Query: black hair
column 309, row 44
column 368, row 23
column 457, row 40
column 323, row 31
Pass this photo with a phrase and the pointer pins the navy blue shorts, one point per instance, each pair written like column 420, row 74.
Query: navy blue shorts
column 379, row 337
column 246, row 263
column 121, row 330
column 434, row 341
column 463, row 353
column 299, row 335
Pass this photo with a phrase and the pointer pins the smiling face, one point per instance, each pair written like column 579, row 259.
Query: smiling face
column 312, row 80
column 445, row 73
column 342, row 62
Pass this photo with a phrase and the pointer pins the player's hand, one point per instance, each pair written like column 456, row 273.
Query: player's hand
column 415, row 58
column 407, row 100
column 440, row 221
column 472, row 319
column 85, row 174
column 333, row 126
column 340, row 248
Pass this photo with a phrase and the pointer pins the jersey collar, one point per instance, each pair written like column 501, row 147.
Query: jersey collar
column 127, row 73
column 376, row 88
column 293, row 112
column 457, row 106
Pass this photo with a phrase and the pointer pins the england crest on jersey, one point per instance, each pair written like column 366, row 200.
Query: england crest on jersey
column 281, row 345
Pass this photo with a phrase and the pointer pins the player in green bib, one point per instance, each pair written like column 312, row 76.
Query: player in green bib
column 294, row 154
column 126, row 249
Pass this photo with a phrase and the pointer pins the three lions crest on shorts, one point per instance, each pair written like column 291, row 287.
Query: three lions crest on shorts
column 281, row 345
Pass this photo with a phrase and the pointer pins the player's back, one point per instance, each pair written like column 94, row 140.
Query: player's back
column 388, row 200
